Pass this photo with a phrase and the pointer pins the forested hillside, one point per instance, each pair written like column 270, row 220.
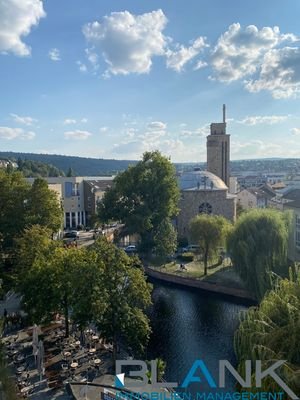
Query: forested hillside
column 81, row 166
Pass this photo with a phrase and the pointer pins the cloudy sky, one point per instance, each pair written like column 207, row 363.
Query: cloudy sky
column 115, row 78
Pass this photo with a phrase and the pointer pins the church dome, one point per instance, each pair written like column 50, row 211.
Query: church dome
column 200, row 180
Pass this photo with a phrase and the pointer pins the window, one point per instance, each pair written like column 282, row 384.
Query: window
column 73, row 219
column 67, row 220
column 71, row 189
column 205, row 208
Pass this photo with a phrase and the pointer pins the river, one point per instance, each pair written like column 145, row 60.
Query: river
column 189, row 325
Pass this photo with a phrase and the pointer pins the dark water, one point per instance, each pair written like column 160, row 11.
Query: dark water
column 187, row 326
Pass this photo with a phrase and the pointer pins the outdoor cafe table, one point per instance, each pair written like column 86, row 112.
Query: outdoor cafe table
column 74, row 365
column 97, row 361
column 25, row 389
column 92, row 351
column 95, row 337
column 67, row 354
column 77, row 343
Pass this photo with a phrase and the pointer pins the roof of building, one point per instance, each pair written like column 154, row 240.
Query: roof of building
column 261, row 191
column 292, row 194
column 292, row 198
column 200, row 180
column 99, row 184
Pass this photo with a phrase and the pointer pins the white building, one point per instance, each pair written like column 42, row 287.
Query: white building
column 72, row 197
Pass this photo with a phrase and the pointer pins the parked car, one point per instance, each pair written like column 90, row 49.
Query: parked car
column 131, row 249
column 71, row 235
column 191, row 248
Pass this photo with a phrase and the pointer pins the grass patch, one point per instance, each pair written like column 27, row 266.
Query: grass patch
column 223, row 274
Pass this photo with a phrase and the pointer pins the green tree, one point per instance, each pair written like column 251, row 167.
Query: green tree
column 142, row 197
column 13, row 195
column 43, row 207
column 272, row 332
column 34, row 243
column 70, row 173
column 258, row 247
column 165, row 239
column 68, row 279
column 128, row 295
column 209, row 232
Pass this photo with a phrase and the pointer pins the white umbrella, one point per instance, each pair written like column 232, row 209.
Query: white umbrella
column 40, row 366
column 35, row 341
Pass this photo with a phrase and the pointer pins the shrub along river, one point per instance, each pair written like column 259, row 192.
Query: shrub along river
column 189, row 325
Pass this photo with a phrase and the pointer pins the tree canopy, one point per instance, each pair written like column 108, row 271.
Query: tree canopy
column 128, row 295
column 43, row 206
column 99, row 285
column 165, row 239
column 272, row 332
column 35, row 169
column 209, row 232
column 64, row 280
column 22, row 205
column 142, row 197
column 258, row 248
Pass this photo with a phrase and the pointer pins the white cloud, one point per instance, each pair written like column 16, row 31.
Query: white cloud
column 239, row 51
column 295, row 131
column 200, row 64
column 127, row 42
column 70, row 121
column 15, row 133
column 23, row 120
column 54, row 54
column 256, row 149
column 202, row 131
column 28, row 135
column 263, row 119
column 84, row 120
column 77, row 135
column 280, row 73
column 103, row 129
column 157, row 125
column 176, row 59
column 17, row 17
column 82, row 67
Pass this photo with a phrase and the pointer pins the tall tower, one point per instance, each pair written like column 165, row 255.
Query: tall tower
column 218, row 150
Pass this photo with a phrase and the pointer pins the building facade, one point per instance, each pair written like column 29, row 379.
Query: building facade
column 255, row 197
column 203, row 193
column 218, row 150
column 72, row 192
column 93, row 193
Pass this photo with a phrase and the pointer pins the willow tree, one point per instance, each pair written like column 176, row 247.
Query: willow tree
column 209, row 232
column 270, row 333
column 258, row 248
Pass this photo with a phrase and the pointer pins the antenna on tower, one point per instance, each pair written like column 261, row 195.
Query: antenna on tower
column 224, row 113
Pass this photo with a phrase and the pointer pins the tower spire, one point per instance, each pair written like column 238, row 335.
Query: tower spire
column 224, row 113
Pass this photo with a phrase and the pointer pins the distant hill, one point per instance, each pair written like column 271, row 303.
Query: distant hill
column 82, row 166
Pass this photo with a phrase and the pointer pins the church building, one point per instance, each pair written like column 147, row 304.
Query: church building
column 206, row 192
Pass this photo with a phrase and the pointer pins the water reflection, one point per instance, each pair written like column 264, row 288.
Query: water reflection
column 189, row 326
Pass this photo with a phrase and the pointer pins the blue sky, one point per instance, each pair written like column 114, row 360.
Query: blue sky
column 113, row 79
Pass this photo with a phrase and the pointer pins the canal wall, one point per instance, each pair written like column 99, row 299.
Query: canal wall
column 211, row 287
